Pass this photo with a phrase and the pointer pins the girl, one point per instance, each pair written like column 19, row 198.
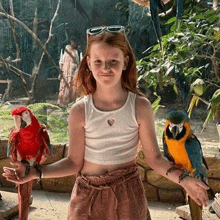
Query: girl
column 104, row 130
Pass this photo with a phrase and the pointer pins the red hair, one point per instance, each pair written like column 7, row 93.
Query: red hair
column 84, row 82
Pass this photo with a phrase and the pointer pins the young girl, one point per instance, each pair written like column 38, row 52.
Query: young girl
column 104, row 130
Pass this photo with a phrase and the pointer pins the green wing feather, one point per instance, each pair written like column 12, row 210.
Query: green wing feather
column 215, row 102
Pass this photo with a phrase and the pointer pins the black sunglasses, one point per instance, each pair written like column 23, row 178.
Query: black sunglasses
column 100, row 29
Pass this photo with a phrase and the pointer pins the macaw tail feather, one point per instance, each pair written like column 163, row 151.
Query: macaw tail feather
column 24, row 199
column 195, row 210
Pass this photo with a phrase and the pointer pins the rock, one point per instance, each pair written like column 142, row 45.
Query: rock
column 171, row 196
column 142, row 161
column 184, row 212
column 8, row 205
column 151, row 192
column 3, row 149
column 64, row 184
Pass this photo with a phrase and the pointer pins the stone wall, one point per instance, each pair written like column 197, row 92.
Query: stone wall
column 158, row 188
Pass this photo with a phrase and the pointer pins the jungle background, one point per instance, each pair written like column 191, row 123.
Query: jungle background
column 179, row 69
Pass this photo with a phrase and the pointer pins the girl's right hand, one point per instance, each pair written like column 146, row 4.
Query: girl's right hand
column 17, row 175
column 196, row 189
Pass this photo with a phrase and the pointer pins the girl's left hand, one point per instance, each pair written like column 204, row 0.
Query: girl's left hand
column 196, row 189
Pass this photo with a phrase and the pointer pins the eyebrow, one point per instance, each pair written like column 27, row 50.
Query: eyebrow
column 115, row 55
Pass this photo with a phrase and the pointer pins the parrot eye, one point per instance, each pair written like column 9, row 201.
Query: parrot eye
column 25, row 113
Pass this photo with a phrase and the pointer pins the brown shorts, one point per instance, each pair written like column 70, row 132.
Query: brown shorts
column 118, row 195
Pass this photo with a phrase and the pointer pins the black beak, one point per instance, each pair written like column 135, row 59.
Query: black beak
column 23, row 124
column 175, row 132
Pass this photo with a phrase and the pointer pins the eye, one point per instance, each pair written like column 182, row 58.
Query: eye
column 97, row 62
column 114, row 61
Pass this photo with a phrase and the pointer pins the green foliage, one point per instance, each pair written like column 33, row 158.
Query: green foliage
column 6, row 121
column 54, row 118
column 124, row 8
column 156, row 104
column 186, row 54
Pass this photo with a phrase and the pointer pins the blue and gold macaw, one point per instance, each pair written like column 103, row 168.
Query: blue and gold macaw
column 183, row 148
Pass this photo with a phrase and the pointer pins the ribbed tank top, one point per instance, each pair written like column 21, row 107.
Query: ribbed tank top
column 111, row 137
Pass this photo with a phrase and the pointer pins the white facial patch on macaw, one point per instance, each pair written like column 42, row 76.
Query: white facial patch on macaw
column 179, row 127
column 26, row 117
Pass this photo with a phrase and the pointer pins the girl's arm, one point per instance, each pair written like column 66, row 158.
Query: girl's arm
column 145, row 118
column 70, row 165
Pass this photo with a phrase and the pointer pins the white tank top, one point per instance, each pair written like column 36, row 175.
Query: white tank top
column 111, row 137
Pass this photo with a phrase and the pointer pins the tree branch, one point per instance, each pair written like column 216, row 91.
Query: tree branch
column 18, row 73
column 36, row 72
column 32, row 34
column 15, row 34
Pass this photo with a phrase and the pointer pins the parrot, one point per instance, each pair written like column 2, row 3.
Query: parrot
column 183, row 148
column 28, row 143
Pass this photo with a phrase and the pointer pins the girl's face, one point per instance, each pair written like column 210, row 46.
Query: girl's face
column 106, row 64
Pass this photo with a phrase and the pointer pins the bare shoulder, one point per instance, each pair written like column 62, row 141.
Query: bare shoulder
column 77, row 112
column 142, row 104
column 143, row 108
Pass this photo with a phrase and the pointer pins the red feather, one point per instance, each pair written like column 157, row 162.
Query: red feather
column 29, row 143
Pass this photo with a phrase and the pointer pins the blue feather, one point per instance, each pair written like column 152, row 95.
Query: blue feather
column 179, row 8
column 50, row 149
column 194, row 151
column 155, row 18
column 8, row 149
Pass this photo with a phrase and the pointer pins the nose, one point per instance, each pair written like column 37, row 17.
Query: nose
column 106, row 66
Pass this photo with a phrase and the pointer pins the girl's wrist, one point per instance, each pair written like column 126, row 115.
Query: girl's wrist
column 39, row 171
column 33, row 173
column 184, row 181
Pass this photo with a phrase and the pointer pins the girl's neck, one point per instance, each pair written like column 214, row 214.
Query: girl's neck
column 110, row 95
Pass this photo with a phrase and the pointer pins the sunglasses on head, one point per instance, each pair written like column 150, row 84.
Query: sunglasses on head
column 111, row 29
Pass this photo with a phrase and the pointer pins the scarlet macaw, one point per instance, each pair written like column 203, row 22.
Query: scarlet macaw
column 183, row 148
column 29, row 143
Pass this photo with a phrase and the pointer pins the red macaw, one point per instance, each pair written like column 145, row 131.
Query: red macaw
column 29, row 143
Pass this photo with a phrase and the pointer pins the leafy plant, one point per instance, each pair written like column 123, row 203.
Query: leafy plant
column 54, row 118
column 187, row 53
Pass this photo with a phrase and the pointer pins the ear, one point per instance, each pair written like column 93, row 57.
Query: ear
column 88, row 62
column 126, row 62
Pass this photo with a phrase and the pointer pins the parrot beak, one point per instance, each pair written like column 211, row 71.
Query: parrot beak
column 175, row 132
column 23, row 124
column 17, row 122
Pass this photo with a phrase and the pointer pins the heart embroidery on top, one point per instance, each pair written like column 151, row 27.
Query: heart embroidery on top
column 111, row 121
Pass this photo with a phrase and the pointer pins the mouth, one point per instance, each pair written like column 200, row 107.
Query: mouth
column 106, row 75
